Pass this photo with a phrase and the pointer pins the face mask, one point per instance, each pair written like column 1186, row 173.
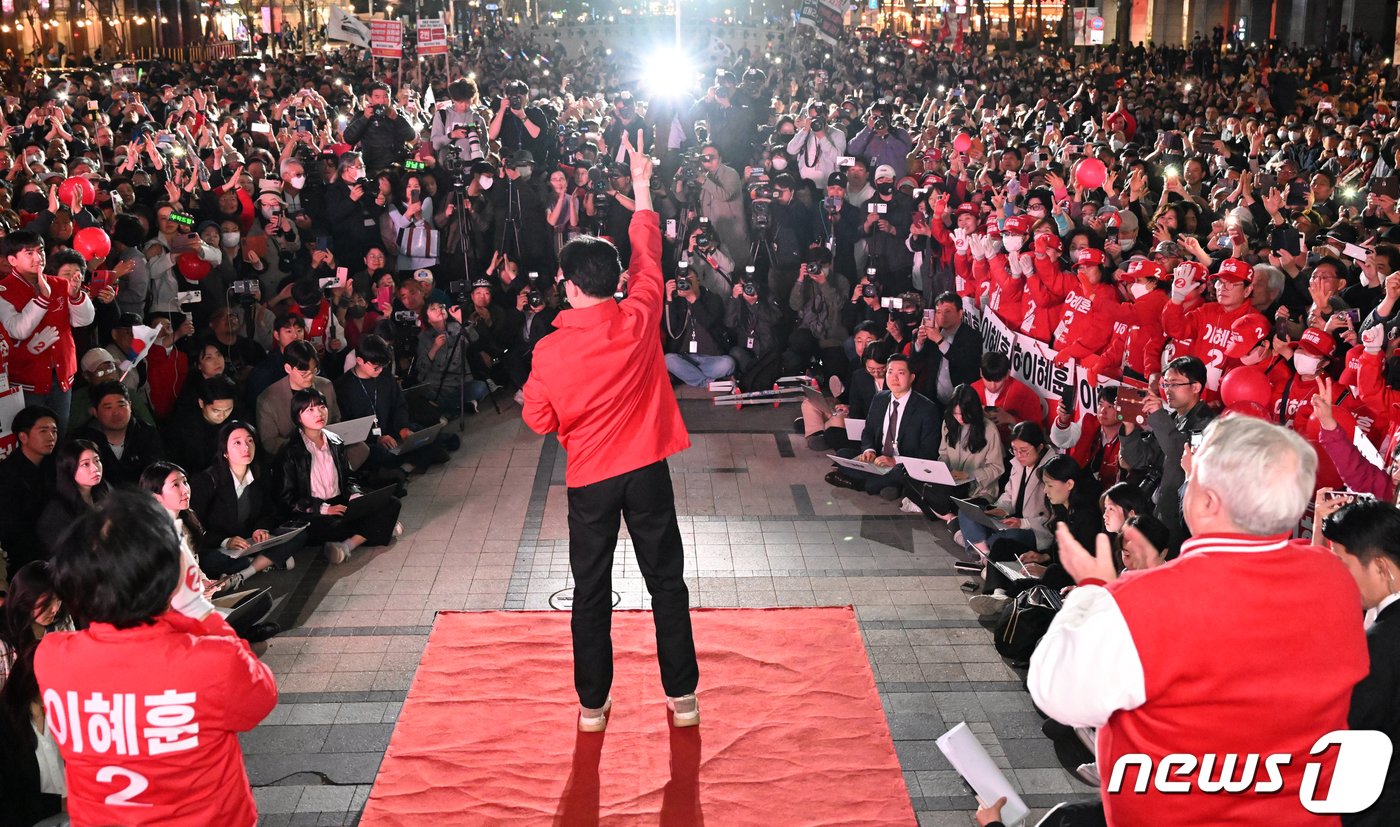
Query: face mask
column 886, row 188
column 1125, row 246
column 1115, row 145
column 485, row 182
column 525, row 173
column 780, row 163
column 229, row 240
column 1255, row 356
column 1293, row 136
column 1140, row 289
column 297, row 181
column 1306, row 364
column 1013, row 243
column 787, row 134
column 1036, row 212
column 1368, row 157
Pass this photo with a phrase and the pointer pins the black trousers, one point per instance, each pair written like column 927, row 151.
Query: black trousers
column 644, row 498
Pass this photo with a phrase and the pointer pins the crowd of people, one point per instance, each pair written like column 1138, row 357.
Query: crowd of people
column 208, row 269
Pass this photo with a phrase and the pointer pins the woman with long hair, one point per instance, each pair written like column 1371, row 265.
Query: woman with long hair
column 411, row 214
column 317, row 485
column 1020, row 510
column 78, row 488
column 972, row 450
column 236, row 507
column 561, row 210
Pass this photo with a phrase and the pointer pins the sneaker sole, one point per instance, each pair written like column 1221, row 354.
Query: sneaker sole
column 683, row 719
column 984, row 605
column 337, row 557
column 598, row 724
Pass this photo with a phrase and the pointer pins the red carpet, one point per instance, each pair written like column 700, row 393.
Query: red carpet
column 791, row 733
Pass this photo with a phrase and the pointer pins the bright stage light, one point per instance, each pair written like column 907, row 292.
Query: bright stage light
column 667, row 73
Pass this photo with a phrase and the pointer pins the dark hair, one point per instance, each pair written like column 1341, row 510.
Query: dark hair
column 461, row 89
column 218, row 387
column 1084, row 496
column 949, row 297
column 868, row 327
column 19, row 240
column 875, row 351
column 965, row 399
column 1190, row 367
column 127, row 230
column 118, row 563
column 63, row 257
column 102, row 390
column 373, row 349
column 27, row 418
column 897, row 357
column 301, row 355
column 292, row 319
column 153, row 477
column 1367, row 528
column 225, row 434
column 66, row 459
column 376, row 86
column 303, row 399
column 1028, row 432
column 592, row 265
column 29, row 588
column 1155, row 531
column 1128, row 497
column 995, row 366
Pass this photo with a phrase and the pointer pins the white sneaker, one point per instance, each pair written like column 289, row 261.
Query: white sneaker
column 1089, row 773
column 236, row 579
column 290, row 564
column 958, row 539
column 907, row 505
column 337, row 553
column 685, row 710
column 594, row 720
column 988, row 604
column 398, row 529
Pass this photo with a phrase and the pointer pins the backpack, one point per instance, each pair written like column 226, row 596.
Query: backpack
column 762, row 374
column 1024, row 622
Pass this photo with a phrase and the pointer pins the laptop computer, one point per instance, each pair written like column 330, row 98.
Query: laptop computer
column 823, row 403
column 416, row 440
column 978, row 514
column 371, row 502
column 928, row 470
column 857, row 465
column 854, row 429
column 352, row 431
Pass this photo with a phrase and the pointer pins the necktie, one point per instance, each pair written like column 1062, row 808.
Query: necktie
column 890, row 427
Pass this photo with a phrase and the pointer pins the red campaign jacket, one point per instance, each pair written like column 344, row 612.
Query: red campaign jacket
column 1045, row 296
column 1207, row 327
column 166, row 372
column 1138, row 339
column 1016, row 398
column 46, row 346
column 600, row 378
column 147, row 720
column 965, row 280
column 1086, row 323
column 1008, row 292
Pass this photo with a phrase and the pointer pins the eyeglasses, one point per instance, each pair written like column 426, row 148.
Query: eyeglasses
column 708, row 158
column 1165, row 384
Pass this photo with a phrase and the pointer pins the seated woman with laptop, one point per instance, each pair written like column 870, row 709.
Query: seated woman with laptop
column 972, row 450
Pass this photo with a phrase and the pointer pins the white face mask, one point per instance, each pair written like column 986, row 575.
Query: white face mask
column 1013, row 243
column 1036, row 212
column 297, row 181
column 1256, row 356
column 779, row 163
column 486, row 182
column 1306, row 364
column 1125, row 246
column 229, row 240
column 1140, row 289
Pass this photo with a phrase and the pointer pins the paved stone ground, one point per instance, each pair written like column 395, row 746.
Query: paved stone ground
column 761, row 528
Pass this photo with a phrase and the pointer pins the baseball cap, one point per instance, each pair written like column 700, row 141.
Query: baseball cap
column 1141, row 268
column 1246, row 333
column 1232, row 269
column 1168, row 248
column 1018, row 225
column 884, row 172
column 836, row 179
column 423, row 274
column 966, row 208
column 818, row 255
column 1317, row 342
column 993, row 229
column 1089, row 257
column 96, row 358
column 522, row 158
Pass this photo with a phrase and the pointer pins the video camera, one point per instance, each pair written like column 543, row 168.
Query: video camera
column 245, row 290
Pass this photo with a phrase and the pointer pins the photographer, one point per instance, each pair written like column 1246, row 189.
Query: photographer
column 886, row 145
column 722, row 201
column 840, row 224
column 625, row 120
column 351, row 216
column 533, row 319
column 379, row 130
column 889, row 215
column 606, row 202
column 695, row 332
column 791, row 230
column 519, row 225
column 817, row 145
column 709, row 263
column 443, row 348
column 752, row 324
column 457, row 130
column 817, row 299
column 516, row 126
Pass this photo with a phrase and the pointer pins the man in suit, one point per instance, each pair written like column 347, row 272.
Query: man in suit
column 947, row 353
column 902, row 423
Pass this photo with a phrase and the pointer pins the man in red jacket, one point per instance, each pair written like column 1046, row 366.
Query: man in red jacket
column 1207, row 326
column 1247, row 644
column 1089, row 312
column 600, row 380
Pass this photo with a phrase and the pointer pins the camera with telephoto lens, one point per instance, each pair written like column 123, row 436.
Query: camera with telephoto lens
column 534, row 298
column 245, row 290
column 704, row 241
column 379, row 110
column 818, row 123
column 881, row 123
column 517, row 101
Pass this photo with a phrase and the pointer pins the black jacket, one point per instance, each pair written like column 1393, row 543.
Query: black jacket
column 295, row 464
column 860, row 392
column 380, row 397
column 1375, row 704
column 24, row 490
column 964, row 361
column 380, row 139
column 757, row 321
column 215, row 502
column 142, row 446
column 704, row 318
column 190, row 439
column 919, row 426
column 352, row 225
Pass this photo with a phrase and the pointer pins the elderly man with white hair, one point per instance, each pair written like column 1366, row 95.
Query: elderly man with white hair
column 1247, row 646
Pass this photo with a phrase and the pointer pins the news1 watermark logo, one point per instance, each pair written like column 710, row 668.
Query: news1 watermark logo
column 1363, row 756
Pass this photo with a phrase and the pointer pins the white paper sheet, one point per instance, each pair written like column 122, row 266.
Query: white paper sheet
column 967, row 755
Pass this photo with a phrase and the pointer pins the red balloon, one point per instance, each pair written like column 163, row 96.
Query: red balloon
column 193, row 267
column 1091, row 173
column 80, row 184
column 963, row 142
column 92, row 242
column 1246, row 384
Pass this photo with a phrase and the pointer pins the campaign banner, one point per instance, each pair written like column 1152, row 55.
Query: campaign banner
column 1033, row 362
column 347, row 28
column 825, row 18
column 432, row 37
column 386, row 39
column 124, row 75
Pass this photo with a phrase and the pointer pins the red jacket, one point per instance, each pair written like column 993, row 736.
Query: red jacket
column 147, row 720
column 1207, row 327
column 600, row 379
column 41, row 332
column 1045, row 297
column 1008, row 291
column 166, row 371
column 1016, row 398
column 1086, row 324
